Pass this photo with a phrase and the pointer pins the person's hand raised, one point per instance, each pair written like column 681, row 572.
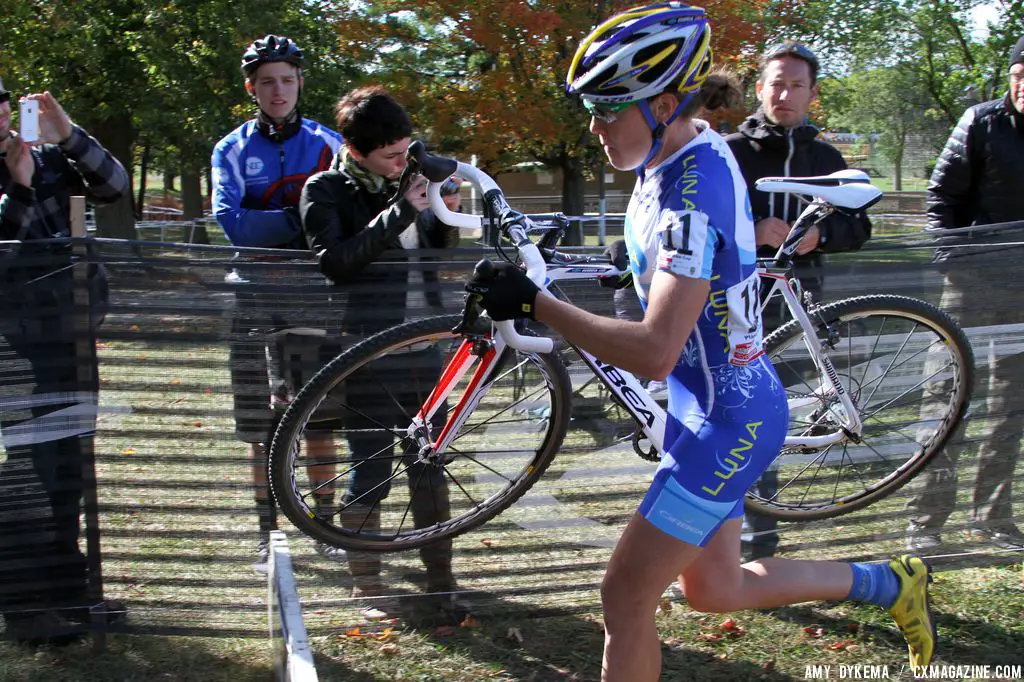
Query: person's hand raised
column 54, row 123
column 417, row 193
column 18, row 158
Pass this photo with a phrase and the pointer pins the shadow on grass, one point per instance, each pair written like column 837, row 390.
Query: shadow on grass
column 130, row 658
column 961, row 640
column 554, row 645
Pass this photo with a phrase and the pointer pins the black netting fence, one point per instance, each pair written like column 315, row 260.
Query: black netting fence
column 170, row 527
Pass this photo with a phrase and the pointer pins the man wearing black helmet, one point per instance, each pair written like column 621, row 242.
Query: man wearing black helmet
column 258, row 173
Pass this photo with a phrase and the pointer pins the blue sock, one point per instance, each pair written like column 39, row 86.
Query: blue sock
column 875, row 584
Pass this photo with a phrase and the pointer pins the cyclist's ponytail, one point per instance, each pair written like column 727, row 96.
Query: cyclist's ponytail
column 721, row 90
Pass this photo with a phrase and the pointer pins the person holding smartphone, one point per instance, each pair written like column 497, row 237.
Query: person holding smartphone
column 43, row 580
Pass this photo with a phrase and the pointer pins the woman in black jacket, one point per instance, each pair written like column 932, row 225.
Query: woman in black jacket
column 352, row 214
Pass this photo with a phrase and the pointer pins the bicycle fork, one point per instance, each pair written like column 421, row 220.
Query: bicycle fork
column 489, row 351
column 849, row 417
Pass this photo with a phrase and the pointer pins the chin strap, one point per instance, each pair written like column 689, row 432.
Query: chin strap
column 658, row 129
column 279, row 132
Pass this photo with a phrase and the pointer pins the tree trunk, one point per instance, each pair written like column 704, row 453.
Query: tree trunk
column 116, row 220
column 192, row 203
column 140, row 203
column 897, row 173
column 169, row 182
column 573, row 185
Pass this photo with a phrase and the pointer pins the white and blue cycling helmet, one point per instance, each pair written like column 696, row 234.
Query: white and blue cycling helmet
column 641, row 53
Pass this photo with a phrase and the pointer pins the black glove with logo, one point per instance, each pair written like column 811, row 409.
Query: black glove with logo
column 503, row 290
column 618, row 256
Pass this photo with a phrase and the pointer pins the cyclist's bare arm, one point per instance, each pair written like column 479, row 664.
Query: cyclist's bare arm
column 650, row 347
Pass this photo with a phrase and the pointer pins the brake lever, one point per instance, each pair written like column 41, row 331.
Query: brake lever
column 472, row 311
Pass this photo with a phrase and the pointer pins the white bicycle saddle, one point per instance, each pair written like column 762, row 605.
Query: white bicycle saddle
column 846, row 188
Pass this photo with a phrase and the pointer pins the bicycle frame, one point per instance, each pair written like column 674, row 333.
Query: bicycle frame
column 631, row 394
column 555, row 267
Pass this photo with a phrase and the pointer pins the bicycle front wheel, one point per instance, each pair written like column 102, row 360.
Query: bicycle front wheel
column 350, row 466
column 909, row 371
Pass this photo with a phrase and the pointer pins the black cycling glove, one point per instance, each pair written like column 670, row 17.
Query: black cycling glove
column 618, row 256
column 503, row 290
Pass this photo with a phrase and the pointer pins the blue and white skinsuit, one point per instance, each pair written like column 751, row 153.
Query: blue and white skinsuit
column 728, row 417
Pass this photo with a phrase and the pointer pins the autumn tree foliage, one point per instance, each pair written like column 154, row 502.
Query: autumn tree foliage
column 486, row 77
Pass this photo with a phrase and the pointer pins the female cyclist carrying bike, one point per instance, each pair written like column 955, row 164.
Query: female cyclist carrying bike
column 643, row 75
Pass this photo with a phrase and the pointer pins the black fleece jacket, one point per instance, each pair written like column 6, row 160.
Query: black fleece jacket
column 763, row 149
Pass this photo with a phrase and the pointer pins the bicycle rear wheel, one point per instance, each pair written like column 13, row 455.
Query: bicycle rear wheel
column 392, row 494
column 909, row 370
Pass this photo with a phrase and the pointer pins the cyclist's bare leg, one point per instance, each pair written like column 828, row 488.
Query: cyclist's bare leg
column 716, row 582
column 645, row 561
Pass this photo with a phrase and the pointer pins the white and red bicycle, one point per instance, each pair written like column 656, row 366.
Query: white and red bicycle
column 876, row 384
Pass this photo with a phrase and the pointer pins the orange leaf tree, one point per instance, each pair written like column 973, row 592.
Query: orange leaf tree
column 485, row 78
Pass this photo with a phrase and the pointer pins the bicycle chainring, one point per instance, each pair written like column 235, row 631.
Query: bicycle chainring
column 650, row 453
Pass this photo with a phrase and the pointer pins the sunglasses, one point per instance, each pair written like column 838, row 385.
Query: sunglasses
column 790, row 48
column 606, row 113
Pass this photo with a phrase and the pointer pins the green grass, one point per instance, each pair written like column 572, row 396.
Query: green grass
column 179, row 524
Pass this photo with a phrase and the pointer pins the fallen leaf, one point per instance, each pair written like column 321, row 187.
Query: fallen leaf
column 390, row 621
column 135, row 328
column 384, row 635
column 727, row 625
column 207, row 391
column 198, row 424
column 128, row 451
column 709, row 637
column 839, row 645
column 769, row 666
column 736, row 632
column 389, row 649
column 486, row 543
column 319, row 611
column 175, row 381
column 140, row 356
column 444, row 631
column 665, row 605
column 852, row 627
column 354, row 632
column 853, row 647
column 814, row 630
column 722, row 656
column 514, row 633
column 470, row 622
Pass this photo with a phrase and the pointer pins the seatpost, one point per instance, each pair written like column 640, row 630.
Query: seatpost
column 814, row 213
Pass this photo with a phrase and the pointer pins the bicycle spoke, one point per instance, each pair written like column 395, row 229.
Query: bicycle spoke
column 885, row 374
column 476, row 505
column 853, row 466
column 813, row 479
column 909, row 390
column 487, row 421
column 878, row 339
column 799, row 473
column 386, row 481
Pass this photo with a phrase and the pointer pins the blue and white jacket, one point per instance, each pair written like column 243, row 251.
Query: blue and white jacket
column 257, row 182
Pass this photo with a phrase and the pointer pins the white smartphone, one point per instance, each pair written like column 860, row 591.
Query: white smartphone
column 28, row 119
